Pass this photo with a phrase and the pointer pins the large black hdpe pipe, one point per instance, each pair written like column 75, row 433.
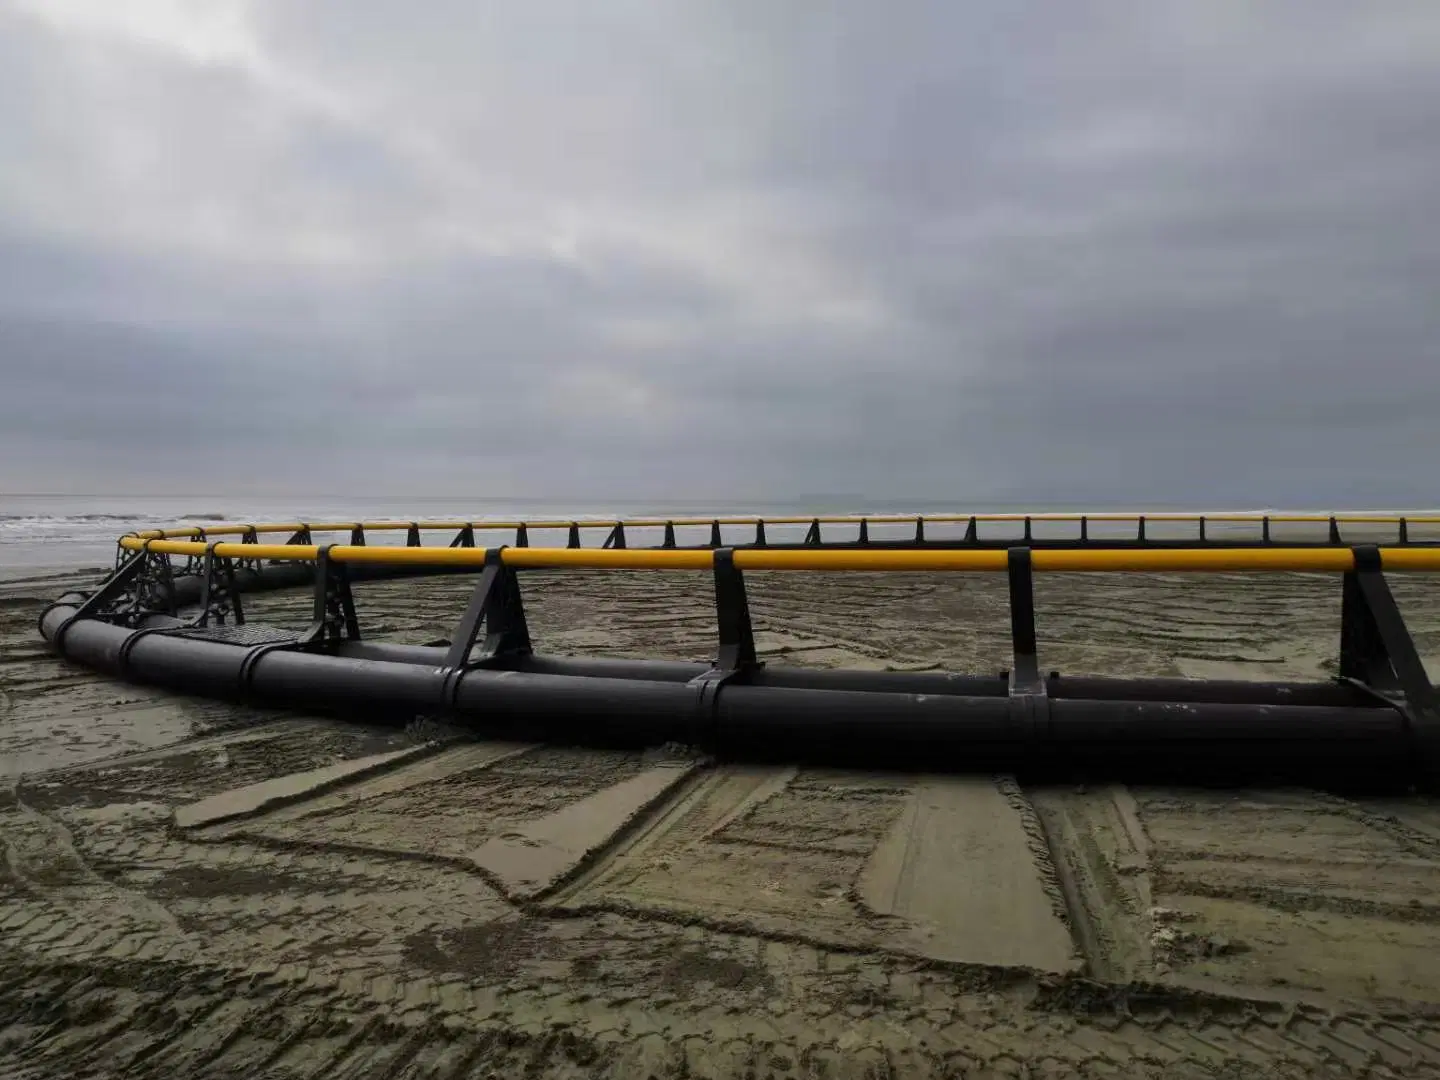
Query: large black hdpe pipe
column 1151, row 729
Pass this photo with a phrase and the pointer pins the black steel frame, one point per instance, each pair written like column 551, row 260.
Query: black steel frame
column 1376, row 723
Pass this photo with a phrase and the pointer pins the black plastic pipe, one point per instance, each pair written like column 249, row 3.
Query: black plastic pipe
column 1313, row 732
column 1060, row 687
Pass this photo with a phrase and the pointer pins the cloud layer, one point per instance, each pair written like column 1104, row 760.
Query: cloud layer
column 1022, row 252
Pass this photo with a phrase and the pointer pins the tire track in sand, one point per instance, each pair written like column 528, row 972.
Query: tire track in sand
column 962, row 872
column 160, row 1020
column 949, row 868
column 1100, row 855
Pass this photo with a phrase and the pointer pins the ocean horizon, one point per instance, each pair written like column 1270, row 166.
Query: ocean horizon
column 65, row 531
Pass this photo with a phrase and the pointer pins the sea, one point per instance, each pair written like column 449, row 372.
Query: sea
column 40, row 532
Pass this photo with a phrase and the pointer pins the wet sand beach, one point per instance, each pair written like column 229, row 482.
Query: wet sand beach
column 191, row 888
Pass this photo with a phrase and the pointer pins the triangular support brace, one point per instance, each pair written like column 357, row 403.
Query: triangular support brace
column 334, row 617
column 736, row 658
column 1378, row 654
column 495, row 604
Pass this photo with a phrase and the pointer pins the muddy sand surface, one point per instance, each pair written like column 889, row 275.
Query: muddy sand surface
column 194, row 889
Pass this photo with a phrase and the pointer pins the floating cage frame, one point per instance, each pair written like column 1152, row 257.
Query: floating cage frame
column 1376, row 724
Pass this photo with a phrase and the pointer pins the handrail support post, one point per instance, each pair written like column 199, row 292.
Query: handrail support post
column 1378, row 652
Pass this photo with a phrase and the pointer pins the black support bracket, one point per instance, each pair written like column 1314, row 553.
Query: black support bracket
column 496, row 604
column 249, row 537
column 122, row 553
column 334, row 617
column 143, row 586
column 736, row 657
column 113, row 594
column 219, row 599
column 1029, row 700
column 1378, row 654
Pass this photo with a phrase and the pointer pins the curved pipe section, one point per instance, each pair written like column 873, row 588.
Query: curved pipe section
column 1316, row 733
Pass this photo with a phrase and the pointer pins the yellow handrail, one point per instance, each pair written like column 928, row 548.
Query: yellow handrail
column 1263, row 559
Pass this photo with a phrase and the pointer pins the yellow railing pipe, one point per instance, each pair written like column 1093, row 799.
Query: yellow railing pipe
column 1080, row 560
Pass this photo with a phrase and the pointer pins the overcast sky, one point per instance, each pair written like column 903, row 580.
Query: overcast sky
column 1031, row 252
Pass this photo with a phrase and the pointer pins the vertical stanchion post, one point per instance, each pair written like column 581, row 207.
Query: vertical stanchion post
column 465, row 538
column 522, row 535
column 219, row 599
column 812, row 534
column 760, row 540
column 1025, row 675
column 573, row 540
column 1029, row 700
column 732, row 610
column 715, row 541
column 919, row 531
column 412, row 535
column 864, row 530
column 669, row 541
column 972, row 531
column 1362, row 650
column 357, row 535
column 1378, row 652
column 735, row 658
column 1202, row 528
column 334, row 615
column 1140, row 528
column 1265, row 529
column 250, row 537
column 1334, row 530
column 1084, row 528
column 1404, row 531
column 496, row 603
column 1028, row 533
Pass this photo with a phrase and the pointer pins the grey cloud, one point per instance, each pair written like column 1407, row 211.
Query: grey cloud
column 1088, row 253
